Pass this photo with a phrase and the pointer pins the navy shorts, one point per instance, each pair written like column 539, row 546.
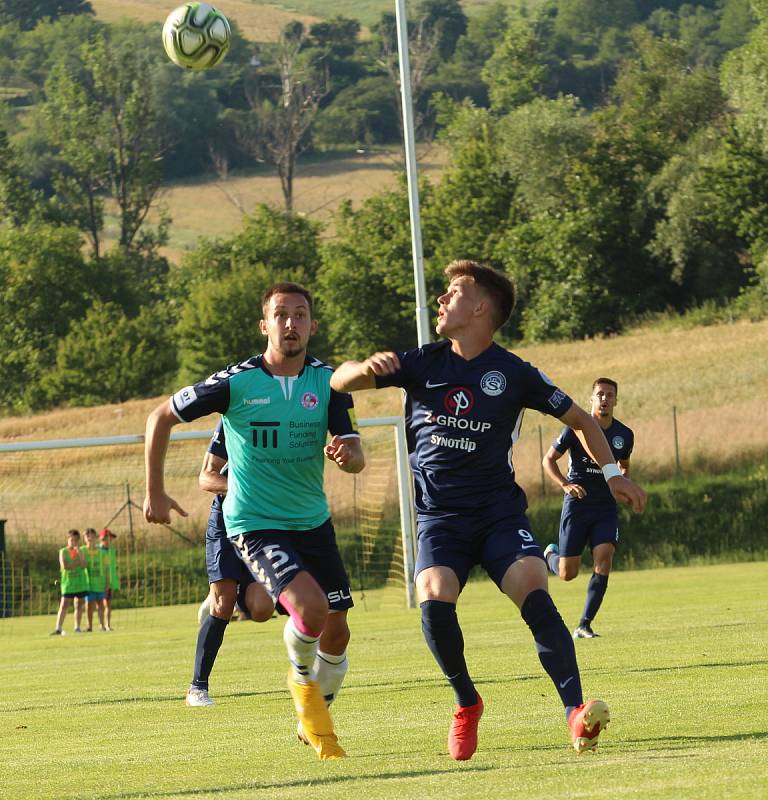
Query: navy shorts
column 493, row 538
column 582, row 525
column 274, row 558
column 75, row 594
column 221, row 557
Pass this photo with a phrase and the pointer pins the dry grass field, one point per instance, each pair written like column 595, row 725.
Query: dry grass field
column 716, row 377
column 257, row 21
column 206, row 206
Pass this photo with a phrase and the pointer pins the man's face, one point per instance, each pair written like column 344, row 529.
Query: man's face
column 288, row 324
column 603, row 400
column 91, row 539
column 456, row 308
column 73, row 541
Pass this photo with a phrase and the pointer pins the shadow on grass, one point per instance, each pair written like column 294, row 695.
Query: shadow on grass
column 314, row 781
column 685, row 740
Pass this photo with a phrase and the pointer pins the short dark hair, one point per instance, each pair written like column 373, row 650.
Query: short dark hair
column 73, row 532
column 609, row 381
column 285, row 287
column 91, row 530
column 495, row 284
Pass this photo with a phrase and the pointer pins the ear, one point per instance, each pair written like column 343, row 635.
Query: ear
column 313, row 327
column 263, row 327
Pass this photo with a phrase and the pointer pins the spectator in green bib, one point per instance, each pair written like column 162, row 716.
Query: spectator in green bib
column 74, row 582
column 98, row 577
column 105, row 537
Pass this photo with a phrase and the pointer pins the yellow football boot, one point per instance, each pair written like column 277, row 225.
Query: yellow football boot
column 314, row 719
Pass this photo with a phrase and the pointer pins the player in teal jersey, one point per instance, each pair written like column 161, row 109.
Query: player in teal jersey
column 277, row 409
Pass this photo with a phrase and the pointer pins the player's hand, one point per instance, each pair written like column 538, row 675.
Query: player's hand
column 338, row 451
column 158, row 507
column 382, row 364
column 574, row 490
column 628, row 492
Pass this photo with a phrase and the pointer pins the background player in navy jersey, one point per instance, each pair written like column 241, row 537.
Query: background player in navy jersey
column 465, row 397
column 231, row 584
column 277, row 409
column 589, row 515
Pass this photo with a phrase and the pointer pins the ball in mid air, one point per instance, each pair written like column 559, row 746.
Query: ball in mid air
column 196, row 36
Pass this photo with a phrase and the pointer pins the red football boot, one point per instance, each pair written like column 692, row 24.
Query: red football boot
column 462, row 737
column 585, row 723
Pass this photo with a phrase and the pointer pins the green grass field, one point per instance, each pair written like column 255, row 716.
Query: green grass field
column 682, row 662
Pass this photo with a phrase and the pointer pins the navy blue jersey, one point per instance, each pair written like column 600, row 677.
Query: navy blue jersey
column 218, row 447
column 583, row 470
column 462, row 418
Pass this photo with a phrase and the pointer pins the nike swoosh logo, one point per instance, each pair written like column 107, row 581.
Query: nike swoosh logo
column 566, row 682
column 431, row 385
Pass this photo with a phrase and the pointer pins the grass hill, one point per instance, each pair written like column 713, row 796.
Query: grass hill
column 716, row 377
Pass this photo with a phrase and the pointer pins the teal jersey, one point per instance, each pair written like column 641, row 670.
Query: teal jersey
column 276, row 429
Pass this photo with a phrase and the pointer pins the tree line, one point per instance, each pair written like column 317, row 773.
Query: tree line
column 612, row 158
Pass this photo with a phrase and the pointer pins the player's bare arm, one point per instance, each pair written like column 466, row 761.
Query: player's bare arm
column 352, row 376
column 552, row 468
column 157, row 504
column 346, row 452
column 592, row 437
column 210, row 478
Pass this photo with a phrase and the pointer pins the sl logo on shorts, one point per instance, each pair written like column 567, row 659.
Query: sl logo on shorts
column 493, row 383
column 309, row 400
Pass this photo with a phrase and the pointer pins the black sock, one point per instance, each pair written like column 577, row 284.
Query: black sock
column 209, row 639
column 554, row 645
column 443, row 636
column 595, row 594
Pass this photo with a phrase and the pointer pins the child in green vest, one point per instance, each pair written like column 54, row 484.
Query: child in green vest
column 98, row 577
column 74, row 581
column 105, row 537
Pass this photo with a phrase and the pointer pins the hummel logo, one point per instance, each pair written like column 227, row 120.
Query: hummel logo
column 566, row 682
column 431, row 385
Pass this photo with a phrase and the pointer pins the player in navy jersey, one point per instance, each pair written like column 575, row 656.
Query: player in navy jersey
column 465, row 397
column 277, row 409
column 589, row 516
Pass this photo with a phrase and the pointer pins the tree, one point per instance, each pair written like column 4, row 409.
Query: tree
column 365, row 284
column 18, row 201
column 27, row 13
column 45, row 287
column 104, row 126
column 110, row 358
column 283, row 109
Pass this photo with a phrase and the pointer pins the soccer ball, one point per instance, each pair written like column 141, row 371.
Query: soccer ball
column 196, row 36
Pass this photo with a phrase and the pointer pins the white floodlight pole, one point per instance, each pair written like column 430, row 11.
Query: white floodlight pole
column 422, row 311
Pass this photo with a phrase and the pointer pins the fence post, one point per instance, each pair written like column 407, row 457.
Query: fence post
column 677, row 444
column 541, row 463
column 4, row 604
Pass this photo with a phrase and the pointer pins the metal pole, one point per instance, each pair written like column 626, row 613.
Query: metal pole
column 129, row 503
column 422, row 312
column 407, row 526
column 677, row 444
column 541, row 463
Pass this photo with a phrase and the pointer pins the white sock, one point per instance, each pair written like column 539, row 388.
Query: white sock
column 302, row 650
column 330, row 671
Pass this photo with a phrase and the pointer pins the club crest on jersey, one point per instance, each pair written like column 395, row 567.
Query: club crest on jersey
column 459, row 401
column 309, row 400
column 493, row 383
column 618, row 442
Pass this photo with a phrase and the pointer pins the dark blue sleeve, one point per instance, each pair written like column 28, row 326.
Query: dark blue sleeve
column 341, row 415
column 199, row 400
column 218, row 445
column 404, row 376
column 629, row 444
column 540, row 394
column 565, row 440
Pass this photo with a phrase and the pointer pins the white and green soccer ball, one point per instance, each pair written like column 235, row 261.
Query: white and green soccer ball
column 196, row 36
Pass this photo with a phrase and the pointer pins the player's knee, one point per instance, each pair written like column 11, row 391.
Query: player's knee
column 335, row 636
column 568, row 572
column 259, row 603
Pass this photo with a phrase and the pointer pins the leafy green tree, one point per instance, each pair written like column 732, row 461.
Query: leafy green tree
column 365, row 284
column 109, row 358
column 104, row 126
column 18, row 201
column 27, row 13
column 45, row 287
